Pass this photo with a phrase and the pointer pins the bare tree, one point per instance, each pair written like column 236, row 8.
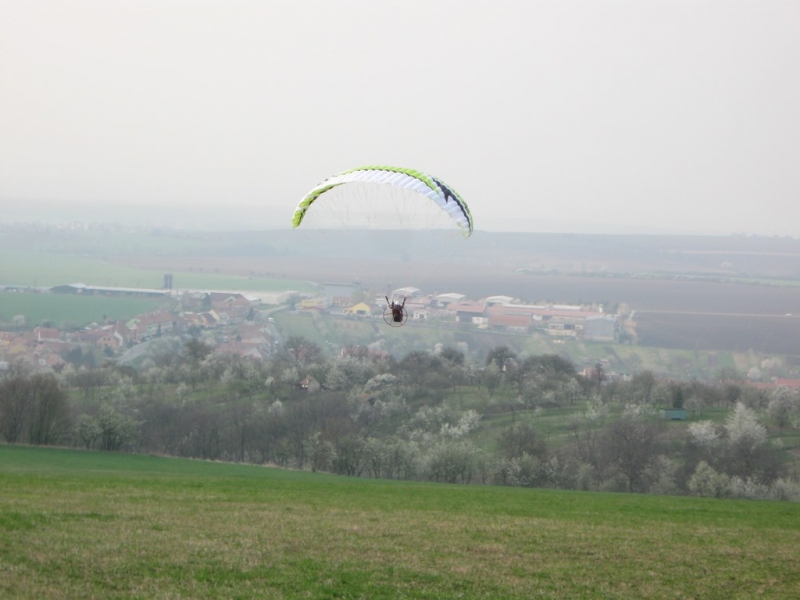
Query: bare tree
column 630, row 444
column 500, row 356
column 299, row 351
column 49, row 414
column 520, row 439
column 16, row 399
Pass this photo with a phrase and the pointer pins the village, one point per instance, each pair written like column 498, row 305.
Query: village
column 230, row 316
column 240, row 324
column 561, row 321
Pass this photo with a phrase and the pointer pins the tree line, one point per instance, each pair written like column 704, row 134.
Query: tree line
column 425, row 416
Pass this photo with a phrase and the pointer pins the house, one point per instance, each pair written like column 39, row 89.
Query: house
column 316, row 303
column 226, row 300
column 405, row 292
column 310, row 385
column 44, row 335
column 567, row 321
column 361, row 309
column 340, row 294
column 233, row 314
column 468, row 312
column 102, row 338
column 493, row 300
column 519, row 323
column 211, row 318
column 151, row 324
column 445, row 300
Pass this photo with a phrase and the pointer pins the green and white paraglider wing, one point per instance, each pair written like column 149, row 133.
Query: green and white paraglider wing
column 426, row 190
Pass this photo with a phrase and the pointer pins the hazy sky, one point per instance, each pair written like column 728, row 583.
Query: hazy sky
column 586, row 116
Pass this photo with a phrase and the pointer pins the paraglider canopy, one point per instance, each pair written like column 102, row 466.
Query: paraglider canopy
column 426, row 189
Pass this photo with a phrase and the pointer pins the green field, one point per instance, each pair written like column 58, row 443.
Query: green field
column 77, row 524
column 65, row 311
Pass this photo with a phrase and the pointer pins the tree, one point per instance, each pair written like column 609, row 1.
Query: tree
column 677, row 395
column 196, row 351
column 300, row 352
column 451, row 461
column 704, row 434
column 500, row 356
column 240, row 417
column 520, row 439
column 88, row 430
column 116, row 429
column 452, row 355
column 783, row 407
column 490, row 377
column 553, row 366
column 731, row 392
column 548, row 377
column 422, row 374
column 16, row 399
column 642, row 386
column 630, row 446
column 347, row 372
column 598, row 375
column 49, row 411
column 747, row 453
column 708, row 482
column 744, row 429
column 587, row 431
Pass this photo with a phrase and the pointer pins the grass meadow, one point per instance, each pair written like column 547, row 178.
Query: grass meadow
column 66, row 310
column 77, row 524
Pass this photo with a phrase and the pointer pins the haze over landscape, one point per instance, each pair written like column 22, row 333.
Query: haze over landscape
column 624, row 117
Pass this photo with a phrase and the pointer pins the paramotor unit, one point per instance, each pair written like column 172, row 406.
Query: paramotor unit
column 395, row 313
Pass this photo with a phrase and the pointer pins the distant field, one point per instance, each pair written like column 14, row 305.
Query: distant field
column 478, row 280
column 65, row 310
column 762, row 324
column 765, row 334
column 46, row 269
column 77, row 524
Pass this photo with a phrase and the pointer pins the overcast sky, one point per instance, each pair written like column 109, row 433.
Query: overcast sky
column 631, row 116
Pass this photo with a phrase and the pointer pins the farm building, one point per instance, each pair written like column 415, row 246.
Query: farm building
column 340, row 294
column 448, row 299
column 361, row 309
column 601, row 328
column 673, row 414
column 405, row 292
column 89, row 290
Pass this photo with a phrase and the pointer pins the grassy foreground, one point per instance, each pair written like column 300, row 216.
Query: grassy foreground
column 77, row 524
